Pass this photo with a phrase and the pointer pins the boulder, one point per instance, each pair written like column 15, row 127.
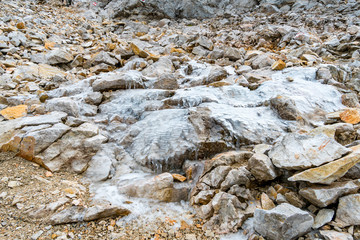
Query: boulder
column 122, row 80
column 348, row 211
column 330, row 172
column 284, row 222
column 297, row 151
column 323, row 217
column 261, row 167
column 323, row 196
column 58, row 56
column 285, row 107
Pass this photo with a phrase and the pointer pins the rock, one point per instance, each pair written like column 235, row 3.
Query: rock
column 103, row 211
column 161, row 67
column 216, row 177
column 233, row 54
column 296, row 151
column 73, row 214
column 138, row 51
column 122, row 80
column 323, row 196
column 283, row 222
column 330, row 172
column 323, row 217
column 64, row 104
column 166, row 81
column 343, row 133
column 348, row 211
column 100, row 165
column 12, row 184
column 178, row 177
column 285, row 107
column 350, row 116
column 261, row 167
column 334, row 235
column 14, row 112
column 294, row 199
column 205, row 42
column 266, row 202
column 36, row 235
column 204, row 197
column 236, row 176
column 58, row 56
column 350, row 100
column 102, row 57
column 262, row 61
column 278, row 65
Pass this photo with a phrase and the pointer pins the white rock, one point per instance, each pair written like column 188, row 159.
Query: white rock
column 324, row 216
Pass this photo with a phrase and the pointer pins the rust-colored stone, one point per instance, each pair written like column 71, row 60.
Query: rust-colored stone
column 27, row 148
column 350, row 116
column 178, row 177
column 278, row 65
column 12, row 146
column 14, row 112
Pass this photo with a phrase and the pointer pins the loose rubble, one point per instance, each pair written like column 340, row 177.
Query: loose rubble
column 247, row 112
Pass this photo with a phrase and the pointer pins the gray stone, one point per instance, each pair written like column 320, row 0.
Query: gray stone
column 69, row 215
column 233, row 54
column 323, row 217
column 216, row 177
column 237, row 176
column 64, row 104
column 261, row 167
column 285, row 107
column 284, row 222
column 296, row 151
column 103, row 211
column 36, row 235
column 348, row 211
column 122, row 80
column 323, row 196
column 102, row 57
column 163, row 66
column 334, row 235
column 58, row 56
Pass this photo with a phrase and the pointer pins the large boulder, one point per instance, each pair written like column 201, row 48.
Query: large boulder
column 284, row 222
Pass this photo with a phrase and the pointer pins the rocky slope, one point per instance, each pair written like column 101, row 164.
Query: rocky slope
column 251, row 118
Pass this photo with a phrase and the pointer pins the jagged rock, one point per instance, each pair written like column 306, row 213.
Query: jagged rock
column 233, row 54
column 64, row 104
column 334, row 235
column 46, row 210
column 343, row 133
column 14, row 112
column 58, row 56
column 296, row 151
column 73, row 214
column 236, row 176
column 294, row 199
column 323, row 217
column 350, row 100
column 100, row 165
column 278, row 65
column 330, row 172
column 216, row 176
column 102, row 57
column 350, row 116
column 283, row 222
column 261, row 167
column 122, row 80
column 103, row 211
column 348, row 211
column 160, row 187
column 266, row 202
column 323, row 196
column 285, row 107
column 163, row 66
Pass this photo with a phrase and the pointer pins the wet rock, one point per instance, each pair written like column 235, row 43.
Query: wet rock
column 261, row 167
column 285, row 107
column 324, row 216
column 348, row 210
column 332, row 235
column 282, row 222
column 330, row 172
column 122, row 80
column 59, row 56
column 14, row 112
column 296, row 151
column 323, row 196
column 103, row 211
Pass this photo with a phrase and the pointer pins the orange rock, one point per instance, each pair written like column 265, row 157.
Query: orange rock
column 49, row 45
column 350, row 116
column 48, row 174
column 178, row 177
column 184, row 225
column 14, row 112
column 20, row 25
column 137, row 51
column 27, row 148
column 177, row 50
column 278, row 65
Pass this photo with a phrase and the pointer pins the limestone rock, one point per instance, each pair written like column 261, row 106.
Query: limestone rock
column 296, row 151
column 285, row 107
column 102, row 57
column 163, row 66
column 350, row 116
column 59, row 56
column 69, row 215
column 261, row 167
column 278, row 65
column 334, row 235
column 284, row 222
column 64, row 104
column 14, row 112
column 103, row 211
column 236, row 176
column 348, row 211
column 323, row 196
column 330, row 172
column 266, row 202
column 122, row 80
column 324, row 216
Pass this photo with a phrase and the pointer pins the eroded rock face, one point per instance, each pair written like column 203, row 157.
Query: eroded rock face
column 283, row 222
